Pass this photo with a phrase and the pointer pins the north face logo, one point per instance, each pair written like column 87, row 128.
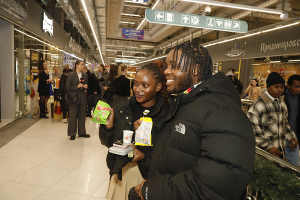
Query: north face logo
column 180, row 128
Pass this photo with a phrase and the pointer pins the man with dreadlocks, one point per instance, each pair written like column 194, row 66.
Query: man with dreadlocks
column 206, row 148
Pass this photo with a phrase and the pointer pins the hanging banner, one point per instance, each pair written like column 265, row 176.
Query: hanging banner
column 196, row 21
column 132, row 34
column 34, row 81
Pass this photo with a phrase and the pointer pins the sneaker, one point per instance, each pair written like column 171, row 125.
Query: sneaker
column 72, row 138
column 64, row 120
column 86, row 136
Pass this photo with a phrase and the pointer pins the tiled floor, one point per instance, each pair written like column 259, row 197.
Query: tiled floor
column 43, row 164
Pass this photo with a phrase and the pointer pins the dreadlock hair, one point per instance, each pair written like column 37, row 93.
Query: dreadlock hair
column 156, row 70
column 196, row 59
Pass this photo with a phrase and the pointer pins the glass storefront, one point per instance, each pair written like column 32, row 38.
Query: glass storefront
column 26, row 74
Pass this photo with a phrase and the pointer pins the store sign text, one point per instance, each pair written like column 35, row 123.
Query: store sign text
column 281, row 45
column 74, row 45
column 48, row 25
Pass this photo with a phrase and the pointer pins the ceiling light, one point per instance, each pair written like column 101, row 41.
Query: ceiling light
column 126, row 22
column 210, row 44
column 237, row 6
column 131, row 56
column 145, row 18
column 277, row 61
column 134, row 2
column 150, row 60
column 248, row 35
column 226, row 41
column 294, row 60
column 91, row 25
column 133, row 15
column 255, row 64
column 280, row 27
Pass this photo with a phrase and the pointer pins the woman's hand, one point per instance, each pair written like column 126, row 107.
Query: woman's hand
column 110, row 119
column 105, row 88
column 137, row 123
column 138, row 189
column 80, row 85
column 138, row 155
column 275, row 151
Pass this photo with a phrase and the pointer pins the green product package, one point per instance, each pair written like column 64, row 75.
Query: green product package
column 101, row 112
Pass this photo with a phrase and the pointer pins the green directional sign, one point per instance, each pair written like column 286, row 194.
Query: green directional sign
column 196, row 21
column 125, row 61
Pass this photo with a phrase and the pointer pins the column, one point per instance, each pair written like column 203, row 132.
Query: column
column 7, row 70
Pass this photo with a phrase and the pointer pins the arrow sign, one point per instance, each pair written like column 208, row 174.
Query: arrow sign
column 196, row 21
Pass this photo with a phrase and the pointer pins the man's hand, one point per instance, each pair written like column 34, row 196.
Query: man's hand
column 293, row 143
column 95, row 92
column 138, row 189
column 275, row 151
column 105, row 88
column 138, row 155
column 85, row 86
column 80, row 85
column 110, row 119
column 137, row 123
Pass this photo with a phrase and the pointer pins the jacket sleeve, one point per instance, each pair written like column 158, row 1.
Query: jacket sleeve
column 106, row 135
column 222, row 172
column 128, row 88
column 62, row 85
column 254, row 115
column 248, row 89
column 69, row 85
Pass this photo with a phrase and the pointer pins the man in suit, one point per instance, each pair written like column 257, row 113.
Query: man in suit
column 77, row 80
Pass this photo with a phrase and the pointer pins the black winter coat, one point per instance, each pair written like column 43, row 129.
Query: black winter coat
column 43, row 87
column 123, row 121
column 206, row 149
column 63, row 92
column 93, row 84
column 289, row 110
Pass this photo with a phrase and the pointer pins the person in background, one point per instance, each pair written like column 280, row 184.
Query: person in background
column 62, row 91
column 269, row 118
column 109, row 89
column 236, row 82
column 55, row 73
column 253, row 90
column 103, row 79
column 206, row 147
column 292, row 101
column 121, row 87
column 93, row 87
column 148, row 95
column 77, row 80
column 43, row 89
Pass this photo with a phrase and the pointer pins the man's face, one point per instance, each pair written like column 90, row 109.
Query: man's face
column 55, row 70
column 177, row 80
column 275, row 90
column 294, row 89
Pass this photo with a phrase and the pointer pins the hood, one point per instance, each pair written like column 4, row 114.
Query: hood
column 219, row 83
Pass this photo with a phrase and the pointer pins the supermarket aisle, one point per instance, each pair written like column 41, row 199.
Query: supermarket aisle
column 42, row 164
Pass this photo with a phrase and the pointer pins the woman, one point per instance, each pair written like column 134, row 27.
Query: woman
column 62, row 91
column 253, row 90
column 77, row 80
column 50, row 93
column 109, row 89
column 43, row 88
column 103, row 78
column 148, row 95
column 121, row 87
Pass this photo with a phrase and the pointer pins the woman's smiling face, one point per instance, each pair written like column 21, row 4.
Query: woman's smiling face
column 145, row 88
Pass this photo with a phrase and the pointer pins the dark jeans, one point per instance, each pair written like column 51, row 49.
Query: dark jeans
column 64, row 114
column 89, row 104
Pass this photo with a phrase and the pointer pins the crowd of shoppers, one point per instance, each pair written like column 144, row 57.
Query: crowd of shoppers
column 197, row 124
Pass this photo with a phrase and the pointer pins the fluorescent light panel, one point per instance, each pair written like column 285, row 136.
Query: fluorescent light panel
column 126, row 22
column 134, row 2
column 130, row 56
column 294, row 60
column 237, row 6
column 150, row 60
column 277, row 61
column 133, row 15
column 90, row 22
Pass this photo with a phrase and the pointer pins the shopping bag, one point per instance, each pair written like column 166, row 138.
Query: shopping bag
column 57, row 109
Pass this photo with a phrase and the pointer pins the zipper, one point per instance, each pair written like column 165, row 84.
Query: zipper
column 170, row 129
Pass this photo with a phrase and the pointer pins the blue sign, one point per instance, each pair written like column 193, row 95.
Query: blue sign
column 132, row 34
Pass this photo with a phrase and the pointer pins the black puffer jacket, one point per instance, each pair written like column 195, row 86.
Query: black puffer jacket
column 124, row 121
column 206, row 148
